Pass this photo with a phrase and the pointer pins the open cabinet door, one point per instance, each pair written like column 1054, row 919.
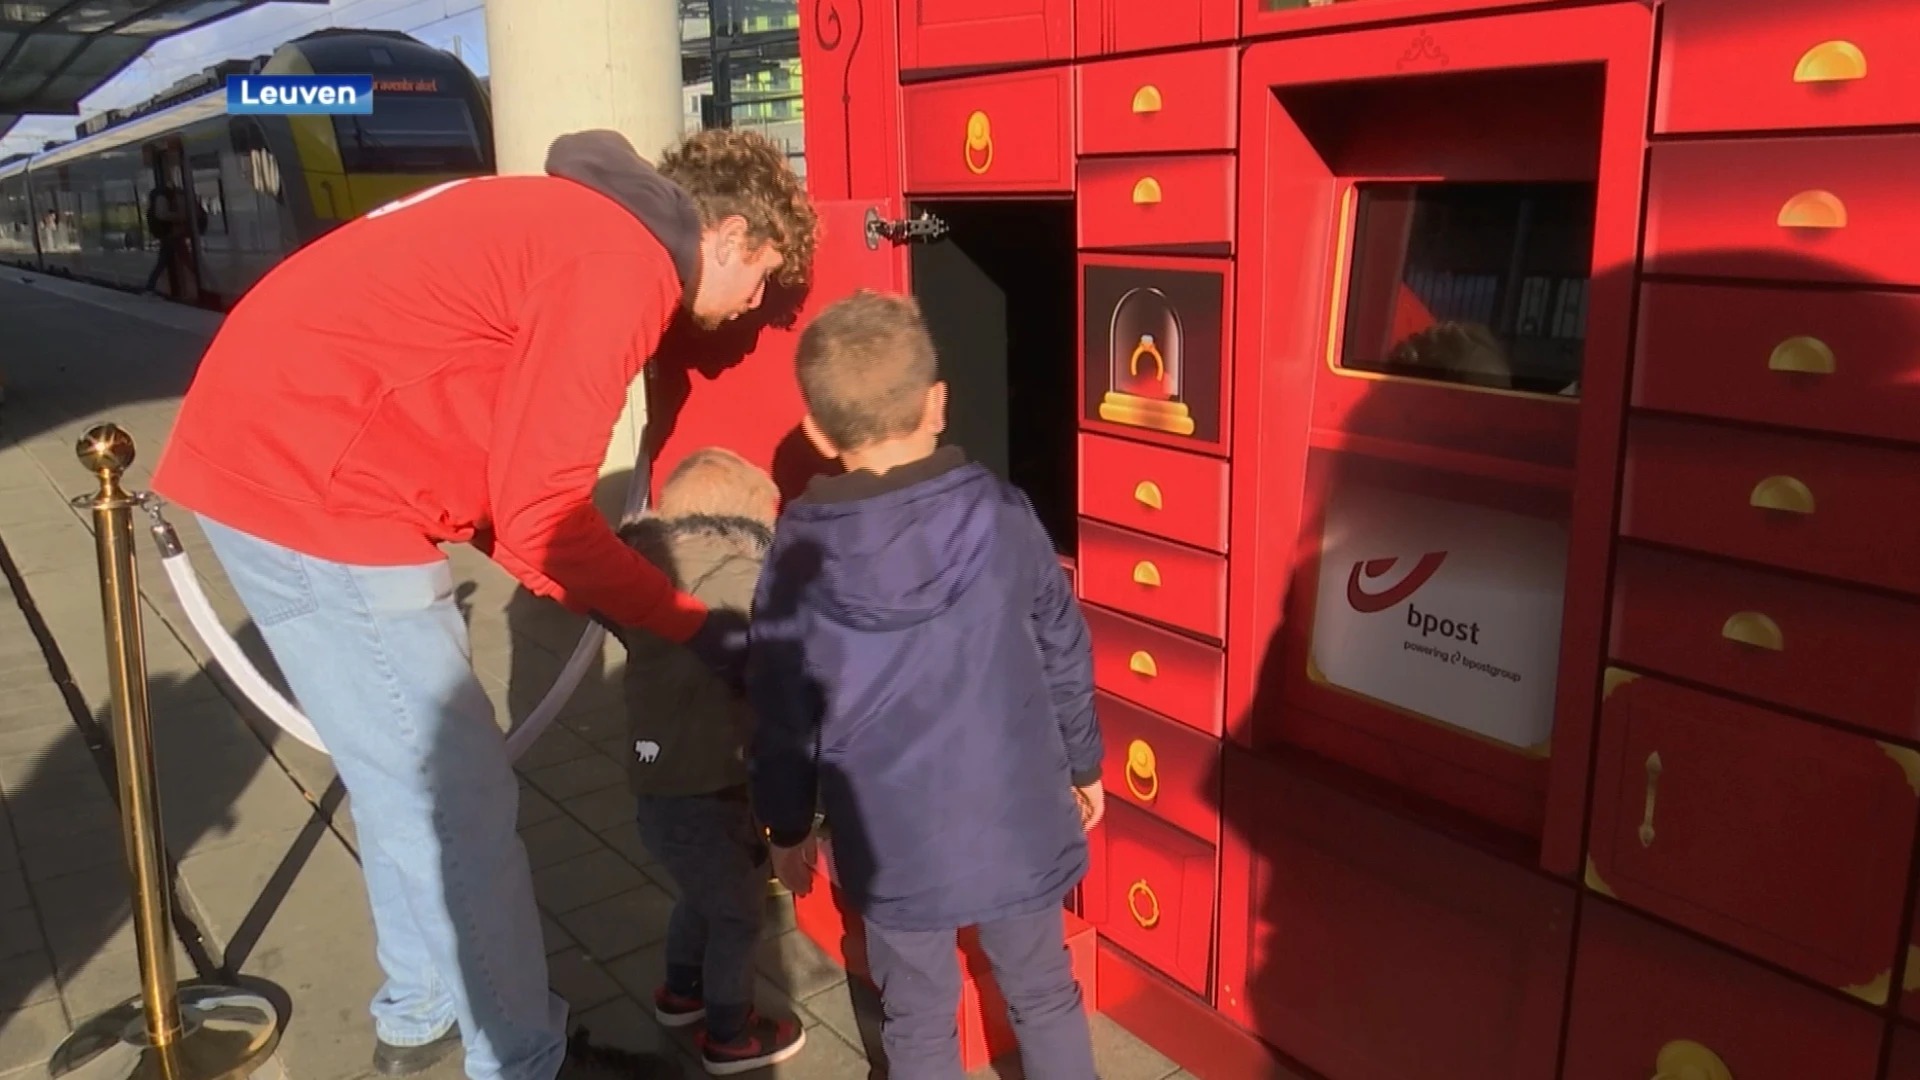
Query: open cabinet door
column 734, row 387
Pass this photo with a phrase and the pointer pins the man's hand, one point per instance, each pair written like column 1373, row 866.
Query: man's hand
column 794, row 866
column 721, row 644
column 1093, row 804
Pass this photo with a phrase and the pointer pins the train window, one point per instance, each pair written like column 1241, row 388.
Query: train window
column 410, row 134
column 211, row 194
column 1483, row 284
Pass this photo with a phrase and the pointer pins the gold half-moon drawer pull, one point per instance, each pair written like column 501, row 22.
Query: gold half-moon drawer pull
column 1146, row 192
column 1782, row 493
column 1814, row 209
column 1831, row 61
column 1147, row 99
column 1143, row 771
column 1147, row 494
column 1145, row 573
column 1684, row 1059
column 1804, row 355
column 1141, row 663
column 1137, row 892
column 1755, row 629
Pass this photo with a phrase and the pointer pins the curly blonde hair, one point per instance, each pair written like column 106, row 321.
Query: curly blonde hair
column 731, row 172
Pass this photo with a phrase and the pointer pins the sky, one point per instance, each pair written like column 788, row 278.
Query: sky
column 436, row 22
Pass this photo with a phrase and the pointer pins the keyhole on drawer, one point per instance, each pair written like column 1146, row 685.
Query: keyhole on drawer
column 1653, row 789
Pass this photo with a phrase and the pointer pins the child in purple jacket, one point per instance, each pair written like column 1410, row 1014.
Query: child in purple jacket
column 922, row 673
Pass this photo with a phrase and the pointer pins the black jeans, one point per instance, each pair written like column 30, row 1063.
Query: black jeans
column 715, row 853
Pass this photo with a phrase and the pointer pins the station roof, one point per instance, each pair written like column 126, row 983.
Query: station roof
column 53, row 53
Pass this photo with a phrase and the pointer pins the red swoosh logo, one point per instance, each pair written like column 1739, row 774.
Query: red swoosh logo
column 1366, row 603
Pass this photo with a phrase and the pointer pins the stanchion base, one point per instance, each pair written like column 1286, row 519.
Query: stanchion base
column 226, row 1034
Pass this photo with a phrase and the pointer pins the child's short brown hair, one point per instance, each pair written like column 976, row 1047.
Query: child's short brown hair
column 865, row 366
column 718, row 483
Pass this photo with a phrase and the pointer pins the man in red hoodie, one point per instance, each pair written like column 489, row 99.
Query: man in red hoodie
column 448, row 369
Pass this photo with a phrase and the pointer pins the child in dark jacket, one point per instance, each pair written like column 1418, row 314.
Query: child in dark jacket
column 688, row 731
column 918, row 664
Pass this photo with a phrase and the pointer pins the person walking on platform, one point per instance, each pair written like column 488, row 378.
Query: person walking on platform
column 448, row 369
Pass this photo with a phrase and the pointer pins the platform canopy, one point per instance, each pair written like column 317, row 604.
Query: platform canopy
column 53, row 53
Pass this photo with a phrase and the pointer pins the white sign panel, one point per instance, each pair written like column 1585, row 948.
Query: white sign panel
column 1445, row 609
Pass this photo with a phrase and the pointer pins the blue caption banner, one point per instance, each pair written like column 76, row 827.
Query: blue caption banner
column 299, row 95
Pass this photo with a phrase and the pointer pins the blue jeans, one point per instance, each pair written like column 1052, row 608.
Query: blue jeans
column 378, row 659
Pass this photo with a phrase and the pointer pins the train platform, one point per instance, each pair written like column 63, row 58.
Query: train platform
column 267, row 881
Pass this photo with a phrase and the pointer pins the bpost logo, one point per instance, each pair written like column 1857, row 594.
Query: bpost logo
column 1429, row 624
column 300, row 95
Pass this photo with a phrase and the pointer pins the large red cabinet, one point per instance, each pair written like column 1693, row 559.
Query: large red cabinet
column 1482, row 435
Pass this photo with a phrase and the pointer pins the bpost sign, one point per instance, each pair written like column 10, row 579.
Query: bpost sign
column 1445, row 609
column 299, row 95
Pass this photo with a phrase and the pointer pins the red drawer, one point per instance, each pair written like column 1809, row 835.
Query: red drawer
column 1172, row 675
column 1156, row 203
column 1846, row 362
column 1178, row 101
column 1835, row 208
column 1844, row 654
column 1781, row 837
column 1648, row 1002
column 1116, row 26
column 936, row 34
column 996, row 133
column 1152, row 579
column 1165, row 492
column 1846, row 511
column 1751, row 65
column 1161, row 766
column 1149, row 890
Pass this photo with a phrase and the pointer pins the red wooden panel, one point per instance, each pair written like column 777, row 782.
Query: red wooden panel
column 851, row 98
column 1164, row 492
column 1161, row 766
column 1379, row 947
column 1841, row 206
column 1147, row 203
column 1845, row 654
column 1651, row 1002
column 1905, row 1063
column 1163, row 671
column 1149, row 889
column 1753, row 65
column 1840, row 509
column 992, row 133
column 938, row 34
column 1176, row 101
column 1845, row 362
column 1152, row 579
column 1781, row 837
column 1182, row 1026
column 1117, row 26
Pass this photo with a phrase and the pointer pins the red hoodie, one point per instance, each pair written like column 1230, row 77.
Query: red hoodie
column 449, row 368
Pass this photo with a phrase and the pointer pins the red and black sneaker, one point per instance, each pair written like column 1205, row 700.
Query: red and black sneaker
column 764, row 1042
column 675, row 1011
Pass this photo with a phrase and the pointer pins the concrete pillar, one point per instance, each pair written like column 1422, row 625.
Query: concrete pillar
column 565, row 65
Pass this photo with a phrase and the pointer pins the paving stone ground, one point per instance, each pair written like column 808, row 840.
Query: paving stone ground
column 267, row 873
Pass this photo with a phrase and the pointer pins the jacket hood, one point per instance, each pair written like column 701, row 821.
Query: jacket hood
column 606, row 162
column 897, row 550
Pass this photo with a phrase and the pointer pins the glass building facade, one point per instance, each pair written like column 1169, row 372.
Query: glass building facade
column 740, row 62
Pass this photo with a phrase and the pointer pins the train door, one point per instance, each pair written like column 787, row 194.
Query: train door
column 179, row 238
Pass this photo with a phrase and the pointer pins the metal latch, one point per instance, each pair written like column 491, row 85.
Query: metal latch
column 925, row 228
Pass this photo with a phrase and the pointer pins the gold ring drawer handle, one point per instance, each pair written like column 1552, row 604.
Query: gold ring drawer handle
column 1146, row 574
column 1141, row 663
column 1147, row 494
column 1813, row 209
column 1684, row 1059
column 1755, row 629
column 1783, row 493
column 1137, row 892
column 1146, row 192
column 1143, row 771
column 1831, row 61
column 1147, row 100
column 1803, row 356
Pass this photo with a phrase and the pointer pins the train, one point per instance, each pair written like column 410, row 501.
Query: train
column 257, row 187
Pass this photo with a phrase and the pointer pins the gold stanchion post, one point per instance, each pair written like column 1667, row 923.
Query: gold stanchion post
column 198, row 1031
